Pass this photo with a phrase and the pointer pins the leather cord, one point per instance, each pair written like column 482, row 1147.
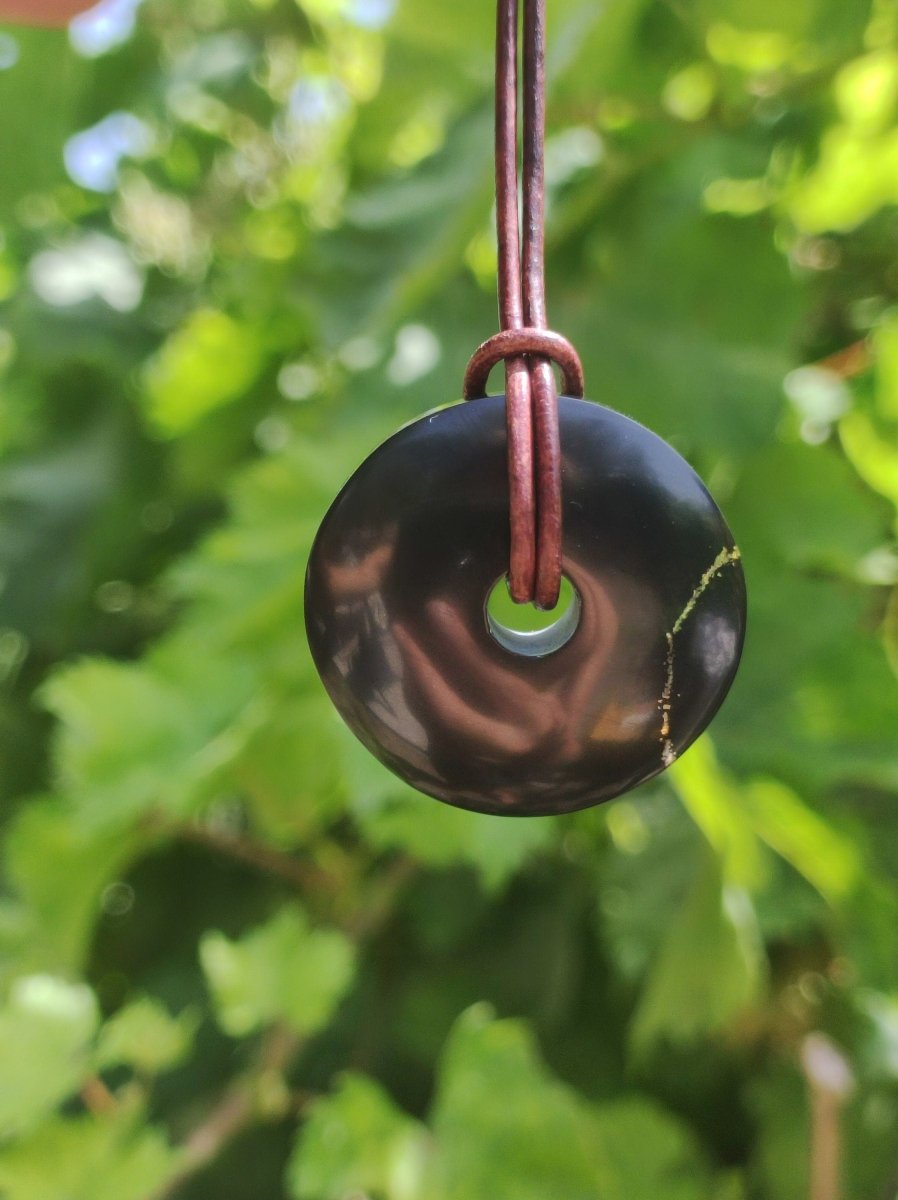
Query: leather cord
column 525, row 343
column 512, row 343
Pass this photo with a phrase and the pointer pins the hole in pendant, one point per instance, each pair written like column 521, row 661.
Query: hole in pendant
column 530, row 631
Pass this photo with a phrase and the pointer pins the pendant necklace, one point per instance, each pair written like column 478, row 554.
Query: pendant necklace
column 542, row 495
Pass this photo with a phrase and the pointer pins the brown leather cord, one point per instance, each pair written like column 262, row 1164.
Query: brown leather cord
column 544, row 400
column 526, row 345
column 511, row 343
column 519, row 421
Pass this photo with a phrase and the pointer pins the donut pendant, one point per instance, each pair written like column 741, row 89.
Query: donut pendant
column 479, row 715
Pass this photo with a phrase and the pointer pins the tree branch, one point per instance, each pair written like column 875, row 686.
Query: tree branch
column 97, row 1098
column 830, row 1083
column 262, row 1094
column 247, row 1102
column 375, row 912
column 299, row 873
column 852, row 361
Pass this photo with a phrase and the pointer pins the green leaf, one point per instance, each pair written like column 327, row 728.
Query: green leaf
column 666, row 345
column 797, row 21
column 89, row 1158
column 542, row 1139
column 877, row 1045
column 46, row 1027
column 890, row 630
column 823, row 520
column 714, row 802
column 35, row 145
column 872, row 454
column 736, row 817
column 133, row 739
column 283, row 970
column 356, row 1140
column 70, row 510
column 291, row 770
column 830, row 861
column 501, row 1126
column 885, row 349
column 778, row 1102
column 535, row 1142
column 709, row 970
column 123, row 739
column 644, row 878
column 145, row 1036
column 210, row 361
column 393, row 816
column 430, row 24
column 441, row 836
column 58, row 871
column 640, row 1153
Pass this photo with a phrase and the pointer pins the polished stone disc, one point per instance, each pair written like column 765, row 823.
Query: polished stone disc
column 396, row 616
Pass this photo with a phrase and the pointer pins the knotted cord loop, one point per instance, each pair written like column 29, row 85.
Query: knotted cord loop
column 513, row 343
column 526, row 345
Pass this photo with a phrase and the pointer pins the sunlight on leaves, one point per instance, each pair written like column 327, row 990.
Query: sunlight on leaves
column 209, row 362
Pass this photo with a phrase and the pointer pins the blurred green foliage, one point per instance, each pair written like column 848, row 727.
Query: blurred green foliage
column 239, row 243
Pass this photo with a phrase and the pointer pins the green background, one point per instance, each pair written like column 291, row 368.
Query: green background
column 236, row 958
